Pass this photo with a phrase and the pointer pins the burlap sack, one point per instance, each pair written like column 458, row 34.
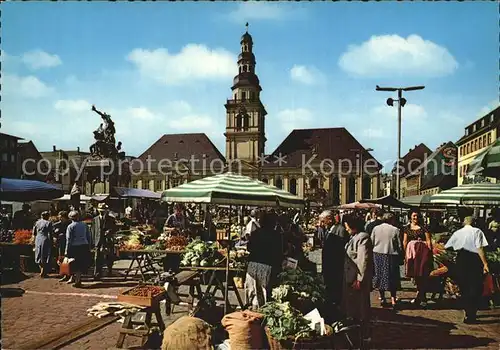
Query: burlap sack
column 245, row 330
column 187, row 333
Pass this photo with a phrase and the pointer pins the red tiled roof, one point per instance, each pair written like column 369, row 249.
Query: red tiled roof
column 414, row 158
column 329, row 143
column 185, row 147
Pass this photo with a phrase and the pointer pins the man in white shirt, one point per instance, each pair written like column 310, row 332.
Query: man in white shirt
column 471, row 264
column 253, row 224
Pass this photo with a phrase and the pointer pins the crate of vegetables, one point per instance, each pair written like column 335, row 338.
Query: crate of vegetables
column 142, row 295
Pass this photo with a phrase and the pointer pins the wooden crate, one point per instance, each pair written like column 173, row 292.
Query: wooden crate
column 125, row 297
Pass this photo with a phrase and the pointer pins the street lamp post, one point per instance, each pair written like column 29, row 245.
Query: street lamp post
column 401, row 103
column 360, row 172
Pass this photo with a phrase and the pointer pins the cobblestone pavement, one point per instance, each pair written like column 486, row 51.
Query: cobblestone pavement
column 48, row 306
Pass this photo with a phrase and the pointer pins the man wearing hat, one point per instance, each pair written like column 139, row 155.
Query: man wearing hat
column 103, row 228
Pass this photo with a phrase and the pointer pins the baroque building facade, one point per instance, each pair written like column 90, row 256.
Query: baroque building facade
column 323, row 165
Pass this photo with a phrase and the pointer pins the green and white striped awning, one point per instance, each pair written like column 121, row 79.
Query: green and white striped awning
column 473, row 194
column 487, row 163
column 231, row 189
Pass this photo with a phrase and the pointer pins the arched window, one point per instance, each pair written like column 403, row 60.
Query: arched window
column 279, row 182
column 351, row 189
column 293, row 186
column 265, row 180
column 313, row 183
column 335, row 190
column 246, row 122
column 245, row 68
column 480, row 142
column 239, row 122
column 367, row 187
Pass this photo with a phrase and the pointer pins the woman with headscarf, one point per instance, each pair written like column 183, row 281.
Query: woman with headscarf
column 358, row 274
column 417, row 245
column 78, row 246
column 43, row 231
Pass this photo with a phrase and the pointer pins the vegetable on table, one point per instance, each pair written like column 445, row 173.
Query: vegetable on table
column 285, row 322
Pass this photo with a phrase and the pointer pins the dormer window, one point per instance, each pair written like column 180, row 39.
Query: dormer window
column 474, row 128
column 467, row 132
column 492, row 118
column 483, row 122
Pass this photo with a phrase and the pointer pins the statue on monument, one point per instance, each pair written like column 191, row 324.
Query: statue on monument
column 104, row 145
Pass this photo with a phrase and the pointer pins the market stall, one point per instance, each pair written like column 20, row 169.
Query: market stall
column 233, row 190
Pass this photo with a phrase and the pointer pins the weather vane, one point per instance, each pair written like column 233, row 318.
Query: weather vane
column 246, row 25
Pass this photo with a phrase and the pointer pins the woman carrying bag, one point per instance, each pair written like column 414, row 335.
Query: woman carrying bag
column 78, row 247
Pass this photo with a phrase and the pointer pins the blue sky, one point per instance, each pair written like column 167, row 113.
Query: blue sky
column 167, row 67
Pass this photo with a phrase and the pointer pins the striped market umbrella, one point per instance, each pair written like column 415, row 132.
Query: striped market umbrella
column 473, row 194
column 487, row 163
column 231, row 189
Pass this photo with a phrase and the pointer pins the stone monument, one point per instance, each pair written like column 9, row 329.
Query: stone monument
column 106, row 161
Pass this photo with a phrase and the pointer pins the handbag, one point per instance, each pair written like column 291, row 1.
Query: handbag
column 65, row 267
column 488, row 285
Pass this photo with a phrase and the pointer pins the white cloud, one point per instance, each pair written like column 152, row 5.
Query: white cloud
column 410, row 112
column 294, row 118
column 40, row 59
column 29, row 86
column 193, row 62
column 392, row 55
column 306, row 75
column 374, row 133
column 191, row 122
column 488, row 108
column 142, row 113
column 262, row 10
column 72, row 106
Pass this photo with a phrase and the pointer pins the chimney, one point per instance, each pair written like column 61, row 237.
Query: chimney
column 54, row 148
column 78, row 149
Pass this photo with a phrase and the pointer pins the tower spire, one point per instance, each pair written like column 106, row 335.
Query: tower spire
column 246, row 25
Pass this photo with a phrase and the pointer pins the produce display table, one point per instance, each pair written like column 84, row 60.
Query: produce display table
column 146, row 260
column 215, row 283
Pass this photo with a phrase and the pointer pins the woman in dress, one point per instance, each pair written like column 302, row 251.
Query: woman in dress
column 43, row 231
column 387, row 258
column 78, row 247
column 358, row 274
column 417, row 245
column 265, row 248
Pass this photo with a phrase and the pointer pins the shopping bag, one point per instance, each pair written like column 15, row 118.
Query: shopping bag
column 488, row 286
column 65, row 267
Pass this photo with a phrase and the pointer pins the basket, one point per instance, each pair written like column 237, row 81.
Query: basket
column 320, row 342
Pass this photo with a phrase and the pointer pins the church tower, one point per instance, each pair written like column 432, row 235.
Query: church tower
column 245, row 135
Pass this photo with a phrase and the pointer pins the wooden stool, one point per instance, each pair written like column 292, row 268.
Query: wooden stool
column 128, row 326
column 191, row 279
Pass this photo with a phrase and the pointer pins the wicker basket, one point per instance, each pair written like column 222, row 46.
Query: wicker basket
column 321, row 342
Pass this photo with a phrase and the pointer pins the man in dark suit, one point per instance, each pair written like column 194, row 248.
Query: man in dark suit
column 103, row 228
column 332, row 256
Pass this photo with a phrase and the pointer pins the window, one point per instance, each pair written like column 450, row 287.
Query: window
column 335, row 190
column 135, row 184
column 313, row 183
column 5, row 157
column 480, row 142
column 243, row 95
column 467, row 132
column 476, row 144
column 474, row 128
column 492, row 118
column 293, row 186
column 246, row 123
column 351, row 189
column 252, row 95
column 12, row 158
column 483, row 122
column 489, row 138
column 158, row 186
column 239, row 122
column 279, row 183
column 245, row 68
column 367, row 187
